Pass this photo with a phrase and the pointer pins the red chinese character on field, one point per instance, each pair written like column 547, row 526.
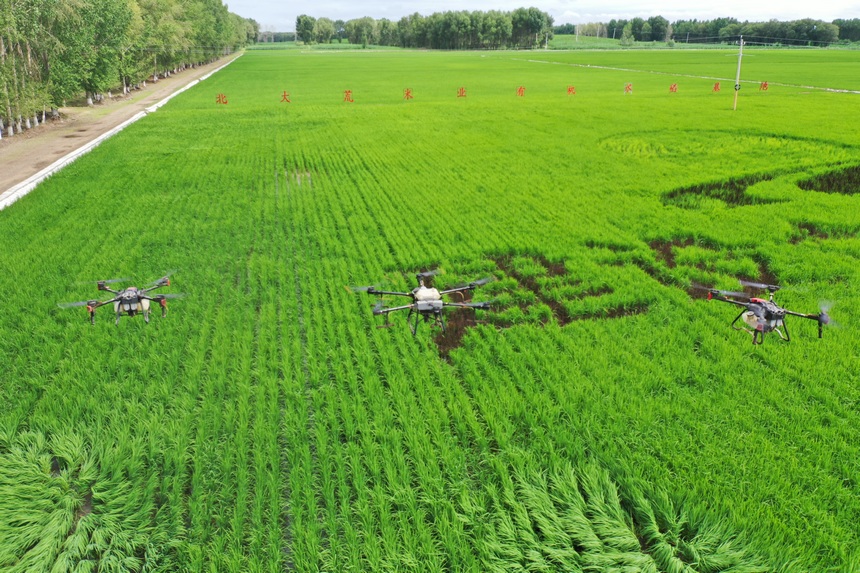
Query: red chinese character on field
column 628, row 88
column 407, row 93
column 347, row 96
column 221, row 98
column 763, row 87
column 571, row 90
column 716, row 87
column 673, row 88
column 521, row 91
column 461, row 92
column 285, row 97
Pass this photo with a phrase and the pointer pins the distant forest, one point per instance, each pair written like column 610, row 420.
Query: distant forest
column 530, row 27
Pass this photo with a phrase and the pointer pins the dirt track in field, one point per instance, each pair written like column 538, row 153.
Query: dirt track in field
column 27, row 153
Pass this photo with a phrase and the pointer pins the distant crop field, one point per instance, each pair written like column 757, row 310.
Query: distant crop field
column 603, row 416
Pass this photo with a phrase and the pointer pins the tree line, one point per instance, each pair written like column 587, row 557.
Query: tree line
column 55, row 50
column 453, row 30
column 530, row 27
column 658, row 29
column 816, row 32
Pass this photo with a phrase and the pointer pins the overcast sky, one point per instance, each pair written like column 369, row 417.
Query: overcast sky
column 280, row 15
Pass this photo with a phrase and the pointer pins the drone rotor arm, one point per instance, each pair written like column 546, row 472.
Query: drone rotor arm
column 471, row 286
column 383, row 310
column 802, row 315
column 821, row 318
column 384, row 292
column 721, row 298
column 160, row 297
column 457, row 289
column 478, row 305
column 104, row 302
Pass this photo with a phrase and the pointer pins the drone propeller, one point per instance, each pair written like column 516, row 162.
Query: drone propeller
column 823, row 317
column 170, row 295
column 369, row 288
column 724, row 293
column 771, row 288
column 482, row 282
column 483, row 305
column 733, row 294
column 76, row 304
column 824, row 314
column 163, row 281
column 426, row 274
column 107, row 282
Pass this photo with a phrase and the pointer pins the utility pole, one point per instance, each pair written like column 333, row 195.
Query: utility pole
column 738, row 76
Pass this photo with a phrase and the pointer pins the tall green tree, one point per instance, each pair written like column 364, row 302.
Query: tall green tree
column 659, row 28
column 323, row 30
column 530, row 26
column 848, row 29
column 305, row 28
column 361, row 30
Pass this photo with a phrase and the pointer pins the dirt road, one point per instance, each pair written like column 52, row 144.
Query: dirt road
column 25, row 154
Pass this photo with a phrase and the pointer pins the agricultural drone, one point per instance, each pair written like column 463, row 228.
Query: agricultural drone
column 426, row 302
column 761, row 316
column 131, row 300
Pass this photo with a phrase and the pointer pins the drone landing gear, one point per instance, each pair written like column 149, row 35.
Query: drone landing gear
column 758, row 332
column 436, row 320
column 757, row 335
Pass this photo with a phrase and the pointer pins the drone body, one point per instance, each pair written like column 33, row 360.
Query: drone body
column 761, row 316
column 129, row 301
column 427, row 302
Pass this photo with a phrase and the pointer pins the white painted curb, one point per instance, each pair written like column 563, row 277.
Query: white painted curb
column 17, row 191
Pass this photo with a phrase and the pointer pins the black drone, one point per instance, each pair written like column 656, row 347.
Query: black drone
column 761, row 316
column 131, row 300
column 426, row 302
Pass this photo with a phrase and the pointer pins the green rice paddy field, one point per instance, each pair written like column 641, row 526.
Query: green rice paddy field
column 602, row 417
